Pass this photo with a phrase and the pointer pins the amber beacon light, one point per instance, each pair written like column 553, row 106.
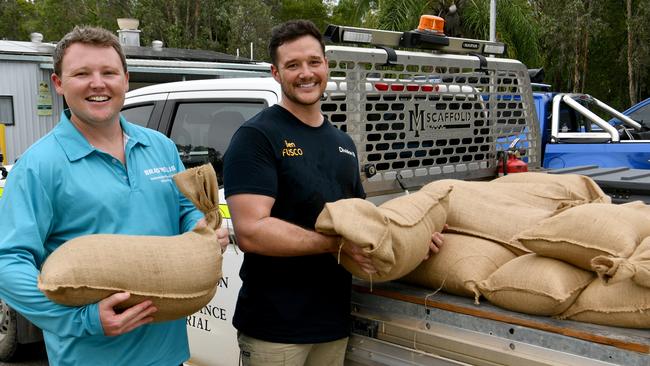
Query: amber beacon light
column 432, row 23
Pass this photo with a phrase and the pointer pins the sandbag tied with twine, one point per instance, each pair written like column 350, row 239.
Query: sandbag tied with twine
column 581, row 187
column 535, row 285
column 200, row 186
column 396, row 234
column 499, row 211
column 637, row 267
column 621, row 304
column 460, row 263
column 582, row 233
column 178, row 273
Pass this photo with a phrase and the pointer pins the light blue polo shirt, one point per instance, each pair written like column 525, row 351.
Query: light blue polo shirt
column 62, row 188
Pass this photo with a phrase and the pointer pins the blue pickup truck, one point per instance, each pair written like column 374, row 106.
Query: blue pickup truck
column 579, row 130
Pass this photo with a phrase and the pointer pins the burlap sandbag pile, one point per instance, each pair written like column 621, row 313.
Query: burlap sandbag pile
column 499, row 211
column 581, row 233
column 463, row 261
column 621, row 304
column 535, row 285
column 595, row 238
column 396, row 234
column 637, row 268
column 179, row 274
column 621, row 296
column 571, row 232
column 581, row 188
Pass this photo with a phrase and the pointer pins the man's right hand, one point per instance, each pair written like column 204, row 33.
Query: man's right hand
column 360, row 256
column 119, row 323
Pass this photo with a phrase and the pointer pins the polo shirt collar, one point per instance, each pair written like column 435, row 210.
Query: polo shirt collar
column 75, row 145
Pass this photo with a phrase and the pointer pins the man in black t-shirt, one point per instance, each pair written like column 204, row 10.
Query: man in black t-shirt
column 281, row 168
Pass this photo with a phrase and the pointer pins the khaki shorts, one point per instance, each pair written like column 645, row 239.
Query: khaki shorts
column 255, row 352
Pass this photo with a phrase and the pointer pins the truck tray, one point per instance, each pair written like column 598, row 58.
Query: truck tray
column 622, row 184
column 454, row 328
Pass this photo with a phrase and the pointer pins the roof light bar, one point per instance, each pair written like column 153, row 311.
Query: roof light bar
column 422, row 39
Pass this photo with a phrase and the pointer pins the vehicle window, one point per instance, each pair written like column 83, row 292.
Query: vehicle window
column 138, row 114
column 568, row 119
column 642, row 114
column 202, row 130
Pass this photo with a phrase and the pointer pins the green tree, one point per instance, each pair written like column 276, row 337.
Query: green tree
column 637, row 15
column 354, row 13
column 17, row 17
column 314, row 10
column 56, row 18
column 243, row 30
column 184, row 23
column 516, row 26
column 567, row 30
column 401, row 15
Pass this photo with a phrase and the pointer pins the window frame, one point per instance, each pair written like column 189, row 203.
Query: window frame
column 10, row 98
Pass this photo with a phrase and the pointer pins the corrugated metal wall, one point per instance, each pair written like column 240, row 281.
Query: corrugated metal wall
column 20, row 80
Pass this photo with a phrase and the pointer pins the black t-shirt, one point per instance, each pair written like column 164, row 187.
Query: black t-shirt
column 303, row 299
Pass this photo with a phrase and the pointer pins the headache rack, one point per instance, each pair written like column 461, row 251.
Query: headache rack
column 418, row 116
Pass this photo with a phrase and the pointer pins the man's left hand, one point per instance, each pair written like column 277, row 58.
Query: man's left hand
column 222, row 234
column 222, row 238
column 437, row 240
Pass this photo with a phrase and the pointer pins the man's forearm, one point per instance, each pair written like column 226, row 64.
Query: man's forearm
column 19, row 290
column 274, row 237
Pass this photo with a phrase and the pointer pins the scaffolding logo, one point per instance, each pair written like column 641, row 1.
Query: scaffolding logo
column 419, row 120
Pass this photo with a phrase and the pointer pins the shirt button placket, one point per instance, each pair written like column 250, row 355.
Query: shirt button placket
column 122, row 172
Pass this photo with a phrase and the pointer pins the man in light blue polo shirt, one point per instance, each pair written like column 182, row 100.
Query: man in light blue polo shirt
column 93, row 173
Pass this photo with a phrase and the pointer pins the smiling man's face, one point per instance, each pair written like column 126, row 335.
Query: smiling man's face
column 302, row 71
column 93, row 82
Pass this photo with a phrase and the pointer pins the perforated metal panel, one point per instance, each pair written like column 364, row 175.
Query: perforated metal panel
column 429, row 116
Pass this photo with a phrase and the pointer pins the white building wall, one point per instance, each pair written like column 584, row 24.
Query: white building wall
column 21, row 80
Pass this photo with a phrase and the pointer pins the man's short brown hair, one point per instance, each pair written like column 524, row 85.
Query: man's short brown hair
column 290, row 31
column 87, row 35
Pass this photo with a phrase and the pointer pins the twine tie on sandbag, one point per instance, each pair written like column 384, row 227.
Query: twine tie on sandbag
column 426, row 298
column 210, row 211
column 341, row 243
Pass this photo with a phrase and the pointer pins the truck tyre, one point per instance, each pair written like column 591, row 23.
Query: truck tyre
column 8, row 332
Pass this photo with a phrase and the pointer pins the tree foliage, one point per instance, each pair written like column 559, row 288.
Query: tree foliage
column 21, row 13
column 242, row 33
column 183, row 23
column 637, row 50
column 516, row 27
column 355, row 13
column 314, row 10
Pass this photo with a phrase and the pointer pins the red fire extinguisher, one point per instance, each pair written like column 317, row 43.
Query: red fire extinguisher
column 511, row 160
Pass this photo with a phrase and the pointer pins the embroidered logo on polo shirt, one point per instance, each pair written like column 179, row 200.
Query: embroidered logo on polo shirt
column 163, row 173
column 291, row 150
